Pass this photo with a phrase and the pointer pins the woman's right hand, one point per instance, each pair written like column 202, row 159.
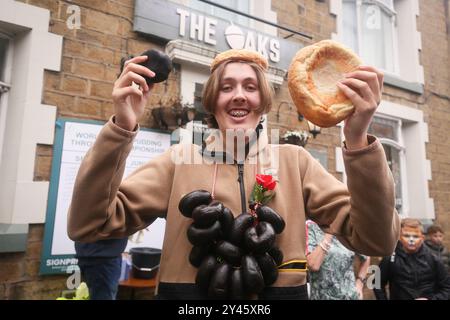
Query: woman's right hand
column 131, row 92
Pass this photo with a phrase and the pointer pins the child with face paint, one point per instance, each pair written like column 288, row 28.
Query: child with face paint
column 413, row 272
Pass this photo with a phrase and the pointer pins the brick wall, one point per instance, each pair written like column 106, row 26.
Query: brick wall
column 435, row 57
column 19, row 278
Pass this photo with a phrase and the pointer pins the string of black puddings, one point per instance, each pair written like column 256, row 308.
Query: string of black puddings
column 236, row 257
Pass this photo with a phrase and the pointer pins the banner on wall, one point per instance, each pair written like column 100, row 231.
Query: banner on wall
column 73, row 138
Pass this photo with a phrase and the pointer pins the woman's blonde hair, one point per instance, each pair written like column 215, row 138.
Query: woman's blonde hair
column 212, row 88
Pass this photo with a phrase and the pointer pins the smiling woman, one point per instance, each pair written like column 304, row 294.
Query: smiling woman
column 217, row 244
column 236, row 88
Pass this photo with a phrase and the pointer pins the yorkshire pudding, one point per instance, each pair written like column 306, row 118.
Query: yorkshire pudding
column 312, row 78
column 240, row 55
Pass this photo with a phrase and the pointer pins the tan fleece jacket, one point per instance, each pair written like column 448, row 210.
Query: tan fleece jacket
column 363, row 216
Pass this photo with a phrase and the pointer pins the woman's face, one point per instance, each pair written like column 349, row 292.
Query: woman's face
column 239, row 97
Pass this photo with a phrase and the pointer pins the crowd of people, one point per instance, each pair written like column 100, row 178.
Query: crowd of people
column 417, row 270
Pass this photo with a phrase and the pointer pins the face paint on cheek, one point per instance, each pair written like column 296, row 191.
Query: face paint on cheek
column 412, row 240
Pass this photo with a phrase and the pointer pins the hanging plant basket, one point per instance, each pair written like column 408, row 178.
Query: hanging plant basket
column 299, row 138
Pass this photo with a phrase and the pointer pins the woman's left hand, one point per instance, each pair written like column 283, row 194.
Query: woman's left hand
column 364, row 88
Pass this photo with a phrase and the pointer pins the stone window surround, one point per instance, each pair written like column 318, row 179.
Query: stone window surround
column 417, row 202
column 411, row 77
column 28, row 122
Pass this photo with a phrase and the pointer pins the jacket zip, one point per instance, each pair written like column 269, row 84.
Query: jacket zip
column 240, row 167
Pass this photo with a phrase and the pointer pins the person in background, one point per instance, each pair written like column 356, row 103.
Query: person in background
column 434, row 241
column 100, row 263
column 412, row 272
column 330, row 264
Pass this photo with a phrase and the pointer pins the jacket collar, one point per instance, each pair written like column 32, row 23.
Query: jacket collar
column 434, row 246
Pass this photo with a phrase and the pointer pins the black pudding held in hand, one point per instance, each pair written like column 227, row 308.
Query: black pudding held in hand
column 159, row 63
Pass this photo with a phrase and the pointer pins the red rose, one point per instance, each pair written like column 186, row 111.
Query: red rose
column 266, row 181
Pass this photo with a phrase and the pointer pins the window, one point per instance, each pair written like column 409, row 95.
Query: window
column 240, row 5
column 403, row 133
column 4, row 44
column 389, row 133
column 200, row 130
column 385, row 34
column 369, row 29
column 5, row 61
column 200, row 112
